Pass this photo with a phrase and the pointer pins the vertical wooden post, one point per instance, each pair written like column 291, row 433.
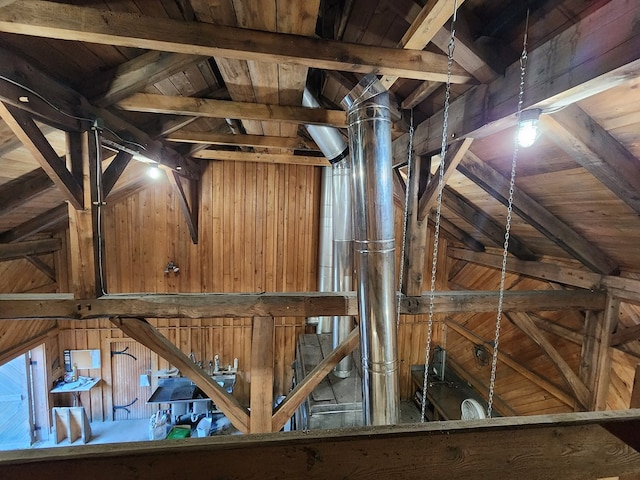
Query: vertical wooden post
column 417, row 231
column 84, row 239
column 261, row 375
column 603, row 368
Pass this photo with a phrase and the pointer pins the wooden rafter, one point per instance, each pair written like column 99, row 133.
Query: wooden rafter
column 300, row 304
column 528, row 326
column 484, row 223
column 422, row 30
column 262, row 157
column 32, row 138
column 47, row 220
column 536, row 215
column 11, row 251
column 542, row 382
column 109, row 87
column 141, row 331
column 597, row 151
column 209, row 138
column 454, row 156
column 116, row 28
column 43, row 267
column 596, row 67
column 19, row 191
column 455, row 232
column 205, row 107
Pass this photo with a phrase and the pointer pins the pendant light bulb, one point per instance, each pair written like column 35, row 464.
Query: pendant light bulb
column 154, row 171
column 528, row 127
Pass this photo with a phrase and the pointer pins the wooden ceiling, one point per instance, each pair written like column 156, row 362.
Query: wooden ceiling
column 202, row 79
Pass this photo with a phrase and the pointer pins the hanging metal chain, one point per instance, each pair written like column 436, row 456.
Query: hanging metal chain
column 505, row 252
column 434, row 262
column 405, row 220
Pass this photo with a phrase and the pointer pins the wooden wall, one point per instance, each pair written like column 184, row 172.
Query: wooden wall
column 258, row 230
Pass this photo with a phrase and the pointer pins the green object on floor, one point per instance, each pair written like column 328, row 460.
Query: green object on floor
column 179, row 432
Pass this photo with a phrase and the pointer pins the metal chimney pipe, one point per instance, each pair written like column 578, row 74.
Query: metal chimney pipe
column 370, row 146
column 342, row 256
column 335, row 149
column 325, row 246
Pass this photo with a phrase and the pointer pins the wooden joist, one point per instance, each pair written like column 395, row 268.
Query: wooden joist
column 569, row 446
column 205, row 107
column 302, row 304
column 197, row 38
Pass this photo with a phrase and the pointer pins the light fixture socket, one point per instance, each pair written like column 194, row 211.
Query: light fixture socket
column 528, row 127
column 171, row 267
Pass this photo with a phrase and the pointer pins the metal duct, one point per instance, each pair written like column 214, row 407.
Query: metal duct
column 370, row 146
column 339, row 252
column 342, row 256
column 325, row 246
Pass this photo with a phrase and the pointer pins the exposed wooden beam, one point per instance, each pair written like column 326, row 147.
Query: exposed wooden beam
column 109, row 87
column 300, row 304
column 625, row 335
column 528, row 326
column 293, row 143
column 484, row 223
column 43, row 267
column 627, row 289
column 114, row 171
column 453, row 157
column 11, row 251
column 597, row 151
column 261, row 372
column 189, row 203
column 262, row 157
column 595, row 66
column 514, row 364
column 25, row 346
column 456, row 233
column 557, row 329
column 302, row 390
column 604, row 330
column 37, row 224
column 590, row 352
column 424, row 27
column 87, row 261
column 569, row 446
column 539, row 270
column 32, row 138
column 141, row 331
column 536, row 215
column 205, row 107
column 127, row 137
column 416, row 228
column 19, row 191
column 419, row 94
column 196, row 38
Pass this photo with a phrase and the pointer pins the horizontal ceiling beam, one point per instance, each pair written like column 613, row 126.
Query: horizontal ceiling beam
column 569, row 446
column 265, row 141
column 262, row 157
column 205, row 107
column 303, row 304
column 70, row 22
column 11, row 251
